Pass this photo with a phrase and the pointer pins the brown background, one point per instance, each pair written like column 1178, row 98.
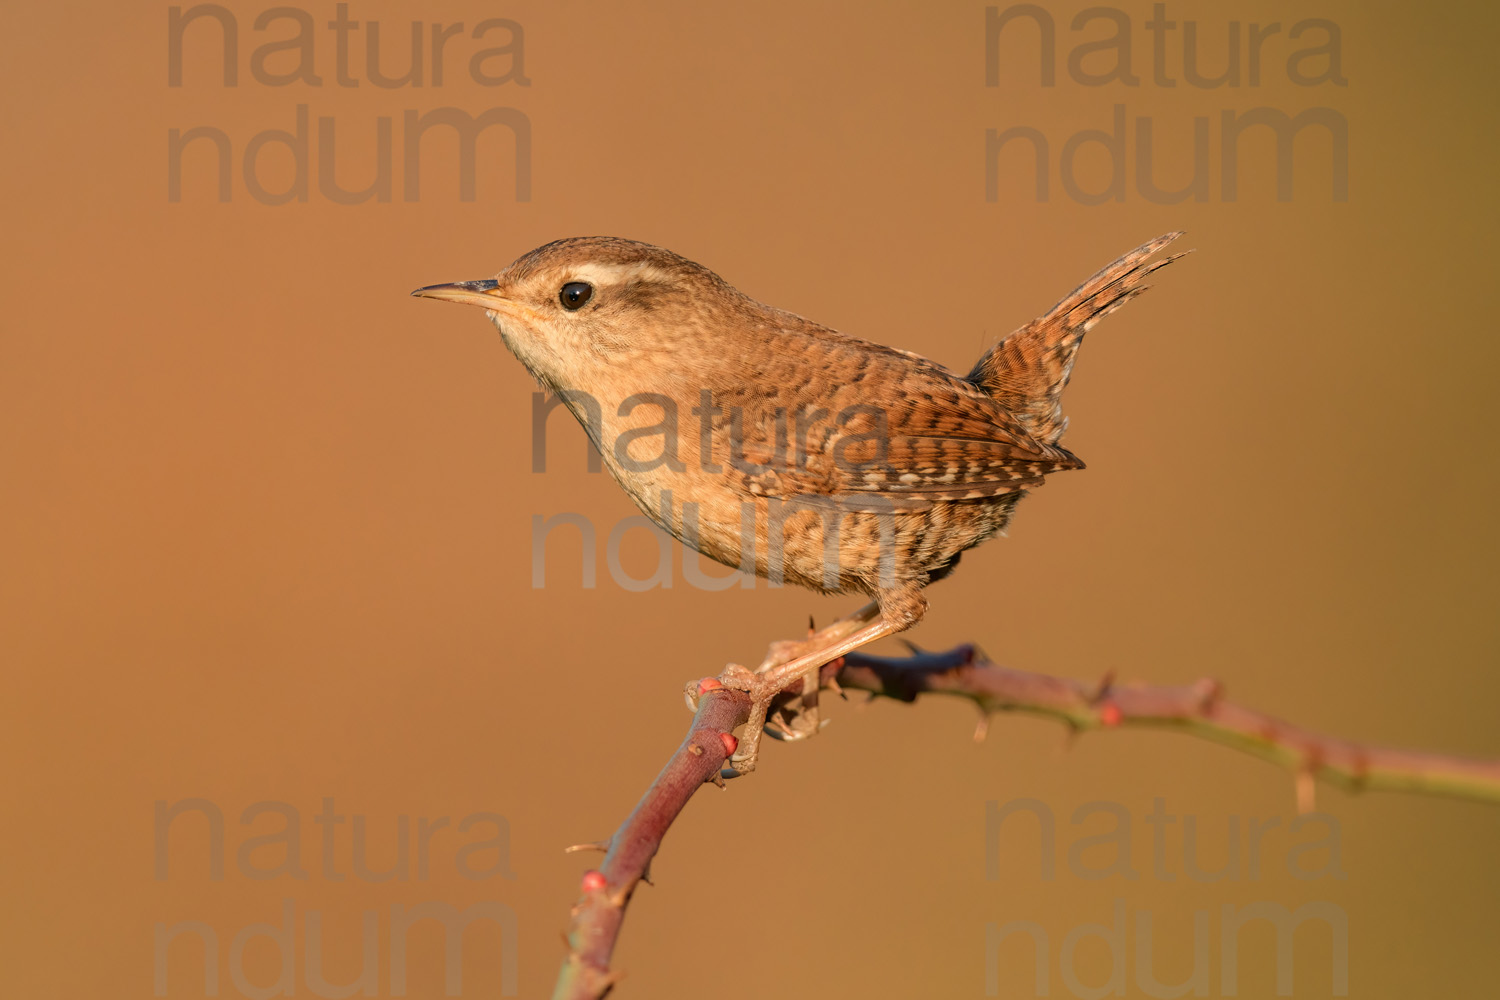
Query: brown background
column 267, row 521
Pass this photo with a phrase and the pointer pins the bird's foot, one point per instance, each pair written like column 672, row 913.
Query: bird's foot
column 798, row 717
column 801, row 661
column 772, row 714
column 788, row 664
column 761, row 694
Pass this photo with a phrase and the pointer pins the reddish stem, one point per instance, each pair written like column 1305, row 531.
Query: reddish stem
column 601, row 909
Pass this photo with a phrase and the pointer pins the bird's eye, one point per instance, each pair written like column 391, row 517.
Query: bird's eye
column 574, row 294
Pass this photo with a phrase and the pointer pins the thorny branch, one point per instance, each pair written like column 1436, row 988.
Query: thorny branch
column 606, row 891
column 1198, row 709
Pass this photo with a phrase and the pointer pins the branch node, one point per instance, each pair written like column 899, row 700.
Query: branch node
column 1106, row 685
column 1206, row 695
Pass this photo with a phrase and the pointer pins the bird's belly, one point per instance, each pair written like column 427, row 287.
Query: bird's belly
column 816, row 544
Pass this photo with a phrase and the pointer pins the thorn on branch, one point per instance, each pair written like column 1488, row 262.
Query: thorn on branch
column 1312, row 762
column 1207, row 693
column 1359, row 771
column 602, row 846
column 1106, row 684
column 1307, row 791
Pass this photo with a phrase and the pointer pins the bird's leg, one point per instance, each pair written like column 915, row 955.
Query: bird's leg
column 765, row 685
column 808, row 664
column 781, row 652
column 896, row 609
column 801, row 719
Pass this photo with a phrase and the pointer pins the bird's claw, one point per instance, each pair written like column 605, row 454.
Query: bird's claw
column 787, row 663
column 789, row 731
column 778, row 734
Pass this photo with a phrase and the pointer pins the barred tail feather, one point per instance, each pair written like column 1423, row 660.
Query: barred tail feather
column 1028, row 370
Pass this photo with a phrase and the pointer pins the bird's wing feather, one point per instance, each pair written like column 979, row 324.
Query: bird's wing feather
column 934, row 438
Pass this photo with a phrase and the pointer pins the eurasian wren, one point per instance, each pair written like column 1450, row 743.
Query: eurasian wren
column 779, row 446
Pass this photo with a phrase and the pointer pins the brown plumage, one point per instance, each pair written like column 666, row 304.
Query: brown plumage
column 785, row 448
column 1027, row 372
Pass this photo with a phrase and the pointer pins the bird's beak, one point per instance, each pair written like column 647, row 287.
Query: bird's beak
column 475, row 293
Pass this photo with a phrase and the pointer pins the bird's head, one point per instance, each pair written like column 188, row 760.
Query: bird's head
column 578, row 308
